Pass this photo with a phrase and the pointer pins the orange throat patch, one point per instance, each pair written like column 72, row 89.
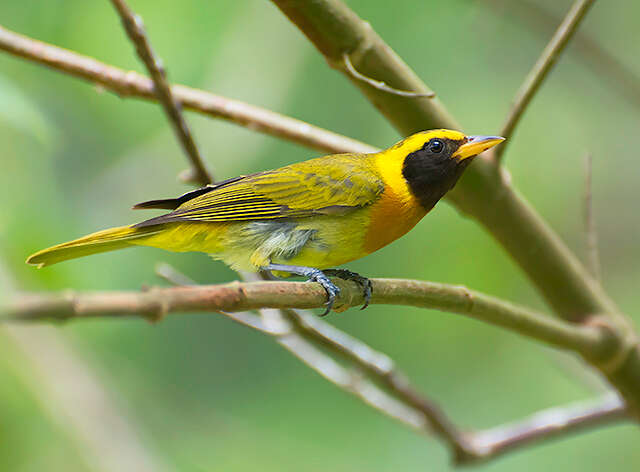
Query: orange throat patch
column 391, row 217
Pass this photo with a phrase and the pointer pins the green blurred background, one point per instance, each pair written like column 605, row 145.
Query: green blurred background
column 207, row 394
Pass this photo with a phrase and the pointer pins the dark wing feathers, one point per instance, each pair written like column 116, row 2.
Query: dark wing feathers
column 173, row 203
column 320, row 186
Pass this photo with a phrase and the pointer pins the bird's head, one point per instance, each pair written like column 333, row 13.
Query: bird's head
column 433, row 161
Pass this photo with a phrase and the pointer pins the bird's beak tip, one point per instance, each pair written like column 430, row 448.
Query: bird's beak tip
column 475, row 145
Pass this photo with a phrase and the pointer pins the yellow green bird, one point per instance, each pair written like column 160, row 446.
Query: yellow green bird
column 302, row 218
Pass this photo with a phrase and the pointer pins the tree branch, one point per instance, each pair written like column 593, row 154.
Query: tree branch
column 303, row 334
column 345, row 379
column 134, row 27
column 131, row 84
column 380, row 85
column 484, row 191
column 382, row 369
column 593, row 341
column 549, row 424
column 312, row 333
column 541, row 69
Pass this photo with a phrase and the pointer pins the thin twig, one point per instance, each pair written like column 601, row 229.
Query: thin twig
column 549, row 424
column 592, row 341
column 131, row 84
column 172, row 275
column 591, row 234
column 379, row 84
column 134, row 27
column 382, row 369
column 541, row 69
column 344, row 378
column 625, row 81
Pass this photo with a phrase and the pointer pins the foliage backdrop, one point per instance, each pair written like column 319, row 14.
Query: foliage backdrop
column 211, row 395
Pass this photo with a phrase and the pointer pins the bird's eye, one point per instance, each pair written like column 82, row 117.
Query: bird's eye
column 436, row 146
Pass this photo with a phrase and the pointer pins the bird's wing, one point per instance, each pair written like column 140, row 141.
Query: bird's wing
column 327, row 185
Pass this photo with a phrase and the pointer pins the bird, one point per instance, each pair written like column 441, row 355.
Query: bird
column 304, row 218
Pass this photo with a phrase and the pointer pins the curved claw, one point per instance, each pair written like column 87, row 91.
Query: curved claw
column 364, row 282
column 322, row 277
column 368, row 291
column 314, row 275
column 332, row 289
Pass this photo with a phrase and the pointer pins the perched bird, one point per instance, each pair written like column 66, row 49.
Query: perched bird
column 304, row 217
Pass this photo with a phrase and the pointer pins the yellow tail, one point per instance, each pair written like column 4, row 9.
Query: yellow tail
column 102, row 241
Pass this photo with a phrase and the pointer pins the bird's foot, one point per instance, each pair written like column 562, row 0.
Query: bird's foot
column 314, row 275
column 332, row 289
column 364, row 282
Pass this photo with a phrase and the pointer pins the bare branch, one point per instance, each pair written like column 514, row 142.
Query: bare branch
column 131, row 84
column 134, row 27
column 595, row 341
column 307, row 332
column 302, row 334
column 421, row 413
column 541, row 69
column 413, row 409
column 379, row 84
column 349, row 380
column 175, row 277
column 335, row 30
column 550, row 424
column 591, row 234
column 382, row 369
column 624, row 79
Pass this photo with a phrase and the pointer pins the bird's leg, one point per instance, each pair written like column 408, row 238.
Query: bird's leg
column 314, row 275
column 364, row 282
